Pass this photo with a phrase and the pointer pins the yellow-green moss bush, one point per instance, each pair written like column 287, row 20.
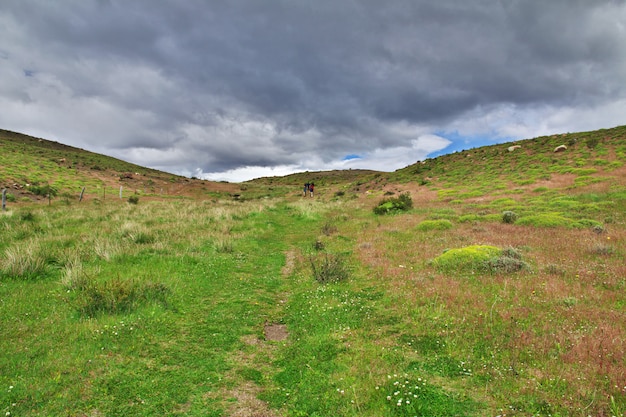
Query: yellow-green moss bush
column 428, row 225
column 480, row 258
column 474, row 257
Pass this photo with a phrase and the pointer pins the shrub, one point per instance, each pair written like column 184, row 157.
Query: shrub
column 509, row 217
column 510, row 260
column 469, row 258
column 394, row 204
column 427, row 225
column 329, row 268
column 592, row 142
column 598, row 228
column 43, row 190
column 511, row 253
column 133, row 199
column 587, row 223
column 469, row 218
column 480, row 258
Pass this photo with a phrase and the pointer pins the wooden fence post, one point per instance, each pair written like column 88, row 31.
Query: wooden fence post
column 4, row 199
column 81, row 195
column 121, row 192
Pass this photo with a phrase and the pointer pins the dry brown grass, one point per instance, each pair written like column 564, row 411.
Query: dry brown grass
column 557, row 322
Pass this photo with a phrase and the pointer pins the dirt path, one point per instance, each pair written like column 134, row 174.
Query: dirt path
column 261, row 350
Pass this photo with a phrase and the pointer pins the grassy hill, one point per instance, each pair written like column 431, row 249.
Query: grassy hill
column 532, row 161
column 31, row 166
column 591, row 157
column 495, row 285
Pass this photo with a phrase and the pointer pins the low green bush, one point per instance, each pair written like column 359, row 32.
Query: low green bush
column 469, row 258
column 480, row 258
column 469, row 218
column 43, row 190
column 403, row 202
column 592, row 142
column 427, row 225
column 509, row 217
column 584, row 223
column 508, row 261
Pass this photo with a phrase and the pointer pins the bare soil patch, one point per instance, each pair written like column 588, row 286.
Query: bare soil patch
column 248, row 405
column 275, row 332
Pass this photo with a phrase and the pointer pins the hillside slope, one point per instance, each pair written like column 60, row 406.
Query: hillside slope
column 584, row 155
column 32, row 165
column 591, row 160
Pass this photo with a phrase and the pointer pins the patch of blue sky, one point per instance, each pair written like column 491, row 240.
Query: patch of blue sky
column 460, row 142
column 351, row 156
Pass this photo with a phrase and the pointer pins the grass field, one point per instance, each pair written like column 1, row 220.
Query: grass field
column 291, row 306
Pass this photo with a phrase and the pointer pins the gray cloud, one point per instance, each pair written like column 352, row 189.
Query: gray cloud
column 201, row 87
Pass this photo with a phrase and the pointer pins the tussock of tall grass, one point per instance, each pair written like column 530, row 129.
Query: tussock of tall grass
column 115, row 295
column 328, row 267
column 136, row 233
column 26, row 260
column 309, row 209
column 108, row 248
column 74, row 276
column 223, row 244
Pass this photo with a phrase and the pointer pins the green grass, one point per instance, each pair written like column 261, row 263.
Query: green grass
column 161, row 307
column 152, row 316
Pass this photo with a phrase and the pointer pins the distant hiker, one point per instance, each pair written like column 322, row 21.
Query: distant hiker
column 311, row 186
column 306, row 188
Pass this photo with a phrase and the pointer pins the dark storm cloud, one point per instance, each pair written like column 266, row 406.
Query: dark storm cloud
column 215, row 86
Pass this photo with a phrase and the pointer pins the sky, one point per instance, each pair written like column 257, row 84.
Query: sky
column 231, row 90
